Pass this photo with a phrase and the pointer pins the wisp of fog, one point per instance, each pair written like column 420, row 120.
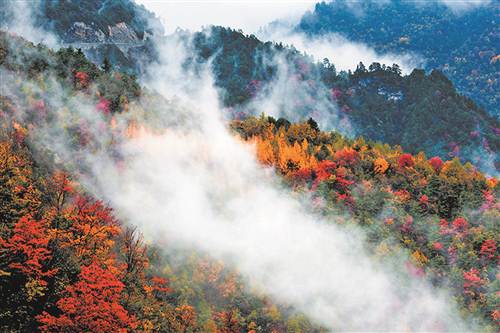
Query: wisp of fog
column 345, row 54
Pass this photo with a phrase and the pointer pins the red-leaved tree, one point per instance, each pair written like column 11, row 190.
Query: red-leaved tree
column 92, row 304
column 27, row 250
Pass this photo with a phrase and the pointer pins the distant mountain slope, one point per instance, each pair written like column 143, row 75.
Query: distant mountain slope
column 462, row 45
column 419, row 112
column 112, row 20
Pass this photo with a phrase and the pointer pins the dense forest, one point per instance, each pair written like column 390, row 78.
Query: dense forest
column 443, row 212
column 463, row 44
column 98, row 14
column 69, row 264
column 407, row 163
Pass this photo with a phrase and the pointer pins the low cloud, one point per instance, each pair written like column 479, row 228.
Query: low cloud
column 19, row 18
column 289, row 96
column 343, row 53
column 460, row 6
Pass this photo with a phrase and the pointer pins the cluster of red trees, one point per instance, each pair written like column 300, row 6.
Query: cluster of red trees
column 57, row 250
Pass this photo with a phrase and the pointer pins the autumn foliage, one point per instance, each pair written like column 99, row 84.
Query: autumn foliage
column 406, row 161
column 444, row 212
column 27, row 250
column 92, row 304
column 67, row 264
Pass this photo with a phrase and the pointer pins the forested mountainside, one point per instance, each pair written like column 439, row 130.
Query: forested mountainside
column 419, row 111
column 443, row 212
column 69, row 264
column 463, row 44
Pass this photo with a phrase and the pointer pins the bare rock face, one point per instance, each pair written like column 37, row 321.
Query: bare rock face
column 119, row 43
column 82, row 33
column 121, row 33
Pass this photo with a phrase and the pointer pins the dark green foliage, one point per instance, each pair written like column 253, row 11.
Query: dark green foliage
column 420, row 112
column 69, row 61
column 106, row 65
column 239, row 60
column 461, row 44
column 282, row 122
column 313, row 124
column 89, row 25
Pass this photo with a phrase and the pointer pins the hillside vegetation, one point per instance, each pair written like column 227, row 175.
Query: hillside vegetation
column 69, row 264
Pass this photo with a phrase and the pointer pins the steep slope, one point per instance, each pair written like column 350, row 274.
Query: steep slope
column 442, row 212
column 463, row 45
column 68, row 263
